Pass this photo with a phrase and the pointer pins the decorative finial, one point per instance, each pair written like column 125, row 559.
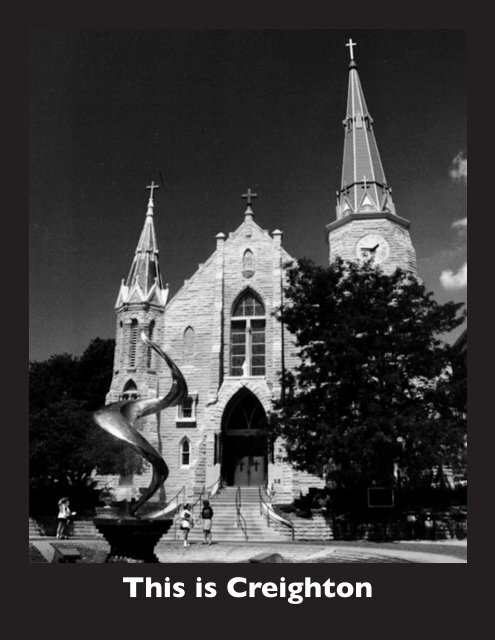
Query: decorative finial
column 151, row 187
column 248, row 195
column 351, row 44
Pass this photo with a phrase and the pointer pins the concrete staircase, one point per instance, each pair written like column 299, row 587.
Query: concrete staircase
column 80, row 529
column 225, row 521
column 83, row 529
column 314, row 529
column 34, row 529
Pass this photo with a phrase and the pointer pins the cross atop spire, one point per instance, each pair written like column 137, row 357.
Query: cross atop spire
column 351, row 44
column 151, row 187
column 248, row 195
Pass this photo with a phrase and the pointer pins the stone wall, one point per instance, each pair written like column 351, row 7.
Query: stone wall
column 205, row 304
column 343, row 240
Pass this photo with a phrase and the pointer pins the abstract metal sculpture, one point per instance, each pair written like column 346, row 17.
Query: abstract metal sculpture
column 118, row 419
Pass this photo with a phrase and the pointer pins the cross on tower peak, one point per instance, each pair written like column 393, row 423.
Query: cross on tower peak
column 151, row 187
column 249, row 195
column 351, row 44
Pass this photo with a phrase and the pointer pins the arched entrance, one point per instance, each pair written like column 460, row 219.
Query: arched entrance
column 244, row 439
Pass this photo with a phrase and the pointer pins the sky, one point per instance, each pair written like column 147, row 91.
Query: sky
column 207, row 114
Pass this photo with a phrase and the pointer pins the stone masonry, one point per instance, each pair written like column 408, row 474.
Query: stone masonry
column 204, row 304
column 344, row 235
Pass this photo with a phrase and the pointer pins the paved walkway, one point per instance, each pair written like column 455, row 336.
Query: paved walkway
column 452, row 551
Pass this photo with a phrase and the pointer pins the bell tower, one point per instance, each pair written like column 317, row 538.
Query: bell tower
column 139, row 308
column 367, row 225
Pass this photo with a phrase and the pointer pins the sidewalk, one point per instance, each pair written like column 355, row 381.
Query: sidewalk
column 94, row 551
column 331, row 552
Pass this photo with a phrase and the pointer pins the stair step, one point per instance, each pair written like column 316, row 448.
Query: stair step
column 225, row 520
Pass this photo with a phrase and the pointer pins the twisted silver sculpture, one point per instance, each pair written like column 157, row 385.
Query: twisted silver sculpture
column 118, row 419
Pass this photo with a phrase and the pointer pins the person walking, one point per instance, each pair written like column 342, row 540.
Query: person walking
column 186, row 522
column 207, row 515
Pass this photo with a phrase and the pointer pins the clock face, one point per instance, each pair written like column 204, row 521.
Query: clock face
column 372, row 246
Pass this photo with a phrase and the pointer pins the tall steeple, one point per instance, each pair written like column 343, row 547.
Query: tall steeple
column 367, row 226
column 364, row 186
column 139, row 308
column 144, row 283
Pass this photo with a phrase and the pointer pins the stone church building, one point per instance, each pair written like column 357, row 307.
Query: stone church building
column 220, row 329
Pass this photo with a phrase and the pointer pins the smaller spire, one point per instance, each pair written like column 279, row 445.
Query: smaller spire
column 151, row 187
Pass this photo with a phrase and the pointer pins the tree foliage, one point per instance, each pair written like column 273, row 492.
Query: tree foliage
column 375, row 390
column 65, row 445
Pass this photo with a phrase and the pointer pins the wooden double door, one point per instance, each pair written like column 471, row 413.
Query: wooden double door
column 250, row 471
column 244, row 454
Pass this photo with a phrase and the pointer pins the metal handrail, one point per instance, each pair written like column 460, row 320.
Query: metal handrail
column 271, row 512
column 214, row 487
column 241, row 521
column 172, row 507
column 174, row 504
column 207, row 492
column 200, row 497
column 211, row 489
column 170, row 504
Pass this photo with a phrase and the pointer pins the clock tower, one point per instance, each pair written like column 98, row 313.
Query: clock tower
column 367, row 225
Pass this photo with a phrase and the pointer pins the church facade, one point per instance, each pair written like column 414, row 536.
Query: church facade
column 221, row 331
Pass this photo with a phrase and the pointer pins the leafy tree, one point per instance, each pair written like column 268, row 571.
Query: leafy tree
column 94, row 375
column 65, row 445
column 374, row 391
column 51, row 380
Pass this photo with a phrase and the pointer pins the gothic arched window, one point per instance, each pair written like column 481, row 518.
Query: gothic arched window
column 130, row 391
column 185, row 452
column 188, row 346
column 248, row 264
column 133, row 338
column 247, row 337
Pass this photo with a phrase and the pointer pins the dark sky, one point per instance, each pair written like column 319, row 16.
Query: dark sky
column 211, row 113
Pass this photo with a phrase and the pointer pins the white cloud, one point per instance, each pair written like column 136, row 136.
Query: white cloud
column 451, row 280
column 458, row 169
column 460, row 224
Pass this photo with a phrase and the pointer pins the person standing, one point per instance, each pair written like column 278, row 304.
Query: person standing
column 186, row 522
column 429, row 526
column 207, row 515
column 63, row 518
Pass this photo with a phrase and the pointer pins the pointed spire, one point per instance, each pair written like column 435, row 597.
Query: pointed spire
column 364, row 186
column 144, row 282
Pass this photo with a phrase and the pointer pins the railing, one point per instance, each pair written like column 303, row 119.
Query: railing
column 207, row 493
column 171, row 508
column 272, row 514
column 213, row 488
column 180, row 499
column 241, row 521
